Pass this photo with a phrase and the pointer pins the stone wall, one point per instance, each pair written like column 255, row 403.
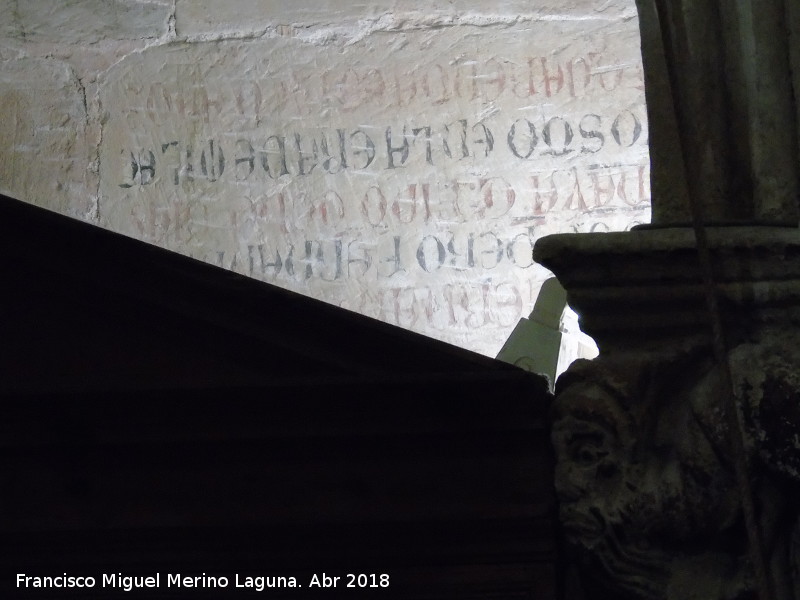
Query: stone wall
column 397, row 159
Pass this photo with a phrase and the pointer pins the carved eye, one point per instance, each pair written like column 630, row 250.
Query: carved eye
column 587, row 448
column 589, row 456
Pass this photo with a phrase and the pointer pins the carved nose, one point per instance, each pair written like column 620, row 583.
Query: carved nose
column 567, row 489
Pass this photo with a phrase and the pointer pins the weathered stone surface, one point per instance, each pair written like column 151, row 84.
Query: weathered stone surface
column 404, row 175
column 44, row 156
column 85, row 21
column 327, row 20
column 725, row 74
column 8, row 19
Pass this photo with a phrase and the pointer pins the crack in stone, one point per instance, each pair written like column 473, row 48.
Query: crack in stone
column 94, row 212
column 100, row 125
column 346, row 34
column 171, row 22
column 18, row 20
column 82, row 92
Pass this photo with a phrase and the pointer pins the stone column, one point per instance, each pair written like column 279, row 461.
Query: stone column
column 647, row 480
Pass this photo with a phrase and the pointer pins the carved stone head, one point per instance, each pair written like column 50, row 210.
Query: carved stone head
column 645, row 502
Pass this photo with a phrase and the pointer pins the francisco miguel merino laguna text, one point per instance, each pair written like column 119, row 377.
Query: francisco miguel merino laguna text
column 176, row 580
column 172, row 580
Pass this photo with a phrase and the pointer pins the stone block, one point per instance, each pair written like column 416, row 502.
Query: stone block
column 89, row 21
column 8, row 19
column 44, row 155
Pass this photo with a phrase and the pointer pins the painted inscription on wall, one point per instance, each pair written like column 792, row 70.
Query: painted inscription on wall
column 405, row 176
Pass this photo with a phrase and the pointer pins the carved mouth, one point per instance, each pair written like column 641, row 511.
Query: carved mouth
column 581, row 524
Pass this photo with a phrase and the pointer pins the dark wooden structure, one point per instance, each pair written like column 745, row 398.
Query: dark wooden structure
column 161, row 415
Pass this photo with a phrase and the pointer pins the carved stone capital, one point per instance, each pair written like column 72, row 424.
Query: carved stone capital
column 645, row 476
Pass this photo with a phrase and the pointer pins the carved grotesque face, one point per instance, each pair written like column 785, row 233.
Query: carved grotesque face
column 602, row 505
column 634, row 496
column 591, row 438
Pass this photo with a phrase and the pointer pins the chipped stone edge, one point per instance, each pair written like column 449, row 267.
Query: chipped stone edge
column 348, row 32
